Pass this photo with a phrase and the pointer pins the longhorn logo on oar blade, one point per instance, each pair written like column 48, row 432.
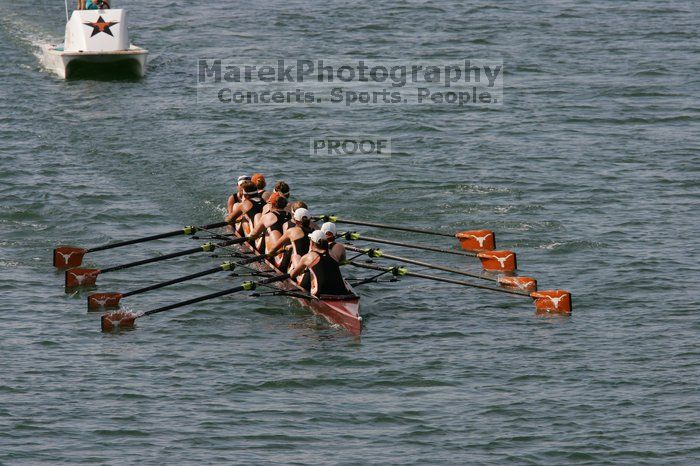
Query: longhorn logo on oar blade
column 97, row 301
column 498, row 261
column 474, row 240
column 81, row 277
column 552, row 301
column 68, row 256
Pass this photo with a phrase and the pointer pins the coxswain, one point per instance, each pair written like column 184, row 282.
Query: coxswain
column 319, row 271
column 259, row 181
column 236, row 197
column 271, row 224
column 297, row 236
column 335, row 249
column 247, row 210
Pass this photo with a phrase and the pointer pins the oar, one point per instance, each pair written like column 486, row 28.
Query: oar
column 492, row 261
column 71, row 256
column 521, row 283
column 355, row 236
column 88, row 277
column 123, row 319
column 470, row 240
column 98, row 301
column 549, row 301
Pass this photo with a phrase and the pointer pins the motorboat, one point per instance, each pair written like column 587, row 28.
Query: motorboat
column 96, row 40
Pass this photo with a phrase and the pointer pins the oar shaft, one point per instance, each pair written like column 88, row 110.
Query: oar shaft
column 444, row 279
column 225, row 267
column 154, row 259
column 174, row 281
column 388, row 227
column 426, row 264
column 244, row 287
column 413, row 246
column 154, row 237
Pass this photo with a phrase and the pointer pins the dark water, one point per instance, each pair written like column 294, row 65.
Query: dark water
column 590, row 171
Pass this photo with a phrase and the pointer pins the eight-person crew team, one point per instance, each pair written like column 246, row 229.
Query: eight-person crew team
column 286, row 232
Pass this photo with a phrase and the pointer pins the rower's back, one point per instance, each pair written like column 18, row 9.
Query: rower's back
column 299, row 237
column 326, row 278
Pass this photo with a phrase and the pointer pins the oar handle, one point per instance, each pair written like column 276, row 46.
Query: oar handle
column 334, row 219
column 247, row 286
column 181, row 231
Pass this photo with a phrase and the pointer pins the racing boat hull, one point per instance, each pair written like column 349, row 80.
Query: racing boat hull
column 343, row 311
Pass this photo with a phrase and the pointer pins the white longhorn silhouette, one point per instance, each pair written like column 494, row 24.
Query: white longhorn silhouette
column 66, row 257
column 502, row 260
column 79, row 278
column 556, row 301
column 523, row 285
column 481, row 239
column 100, row 302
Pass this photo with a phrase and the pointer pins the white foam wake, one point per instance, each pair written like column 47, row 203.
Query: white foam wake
column 25, row 32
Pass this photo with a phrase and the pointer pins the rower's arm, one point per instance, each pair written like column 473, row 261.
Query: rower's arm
column 284, row 239
column 263, row 224
column 299, row 269
column 235, row 213
column 343, row 255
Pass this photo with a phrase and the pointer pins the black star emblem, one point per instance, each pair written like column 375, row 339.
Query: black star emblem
column 101, row 26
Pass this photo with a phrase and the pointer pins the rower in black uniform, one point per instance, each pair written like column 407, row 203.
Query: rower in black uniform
column 320, row 272
column 297, row 235
column 247, row 210
column 271, row 225
column 236, row 197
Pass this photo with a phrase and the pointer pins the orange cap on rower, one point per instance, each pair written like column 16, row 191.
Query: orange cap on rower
column 258, row 180
column 273, row 197
column 477, row 240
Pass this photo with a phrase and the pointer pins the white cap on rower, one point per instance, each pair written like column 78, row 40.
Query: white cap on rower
column 242, row 179
column 329, row 227
column 316, row 236
column 300, row 213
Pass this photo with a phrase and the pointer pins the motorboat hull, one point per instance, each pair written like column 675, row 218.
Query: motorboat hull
column 67, row 64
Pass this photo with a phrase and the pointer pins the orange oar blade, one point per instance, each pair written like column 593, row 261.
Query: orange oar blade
column 518, row 283
column 477, row 240
column 67, row 256
column 81, row 277
column 118, row 320
column 552, row 301
column 97, row 301
column 498, row 261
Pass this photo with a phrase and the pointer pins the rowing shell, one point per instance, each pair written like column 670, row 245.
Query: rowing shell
column 339, row 310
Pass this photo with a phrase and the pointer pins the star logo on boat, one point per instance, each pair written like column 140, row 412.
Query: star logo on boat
column 101, row 26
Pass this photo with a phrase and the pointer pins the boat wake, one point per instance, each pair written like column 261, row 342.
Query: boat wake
column 26, row 34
